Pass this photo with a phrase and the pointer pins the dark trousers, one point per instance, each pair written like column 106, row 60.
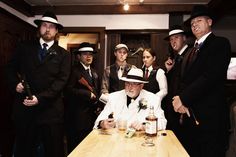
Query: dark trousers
column 203, row 144
column 30, row 136
column 75, row 137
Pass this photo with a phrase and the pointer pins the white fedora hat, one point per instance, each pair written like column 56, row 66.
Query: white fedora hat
column 176, row 29
column 134, row 75
column 48, row 17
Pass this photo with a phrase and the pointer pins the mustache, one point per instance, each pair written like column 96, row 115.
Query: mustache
column 46, row 33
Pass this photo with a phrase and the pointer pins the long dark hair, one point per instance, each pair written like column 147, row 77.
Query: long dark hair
column 153, row 54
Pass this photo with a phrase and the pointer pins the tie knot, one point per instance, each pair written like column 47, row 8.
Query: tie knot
column 197, row 45
column 88, row 71
column 45, row 45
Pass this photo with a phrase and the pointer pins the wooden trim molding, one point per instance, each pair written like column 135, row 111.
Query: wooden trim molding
column 114, row 9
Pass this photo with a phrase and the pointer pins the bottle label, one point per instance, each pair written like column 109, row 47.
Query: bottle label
column 151, row 127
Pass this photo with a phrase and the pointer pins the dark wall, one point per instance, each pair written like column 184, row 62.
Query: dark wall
column 12, row 30
column 135, row 39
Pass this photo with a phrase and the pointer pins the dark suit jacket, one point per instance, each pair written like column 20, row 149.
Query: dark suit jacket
column 203, row 85
column 174, row 80
column 46, row 80
column 81, row 108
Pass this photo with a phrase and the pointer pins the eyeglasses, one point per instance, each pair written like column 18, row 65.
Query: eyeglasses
column 132, row 84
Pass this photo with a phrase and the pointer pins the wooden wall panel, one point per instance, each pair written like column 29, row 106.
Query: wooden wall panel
column 136, row 39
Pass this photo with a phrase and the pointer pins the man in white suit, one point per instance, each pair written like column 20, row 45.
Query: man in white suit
column 131, row 104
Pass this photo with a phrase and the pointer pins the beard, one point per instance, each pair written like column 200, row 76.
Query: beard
column 131, row 94
column 47, row 37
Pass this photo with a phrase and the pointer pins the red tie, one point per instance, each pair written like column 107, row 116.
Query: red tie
column 193, row 54
column 146, row 74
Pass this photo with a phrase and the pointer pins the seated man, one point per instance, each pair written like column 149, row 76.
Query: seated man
column 127, row 104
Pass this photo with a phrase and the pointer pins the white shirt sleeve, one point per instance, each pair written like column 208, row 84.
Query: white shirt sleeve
column 162, row 81
column 103, row 115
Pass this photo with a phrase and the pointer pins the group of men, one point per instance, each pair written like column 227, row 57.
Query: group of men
column 196, row 105
column 195, row 108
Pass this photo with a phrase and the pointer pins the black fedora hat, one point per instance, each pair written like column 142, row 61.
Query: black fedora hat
column 175, row 29
column 198, row 10
column 85, row 47
column 48, row 17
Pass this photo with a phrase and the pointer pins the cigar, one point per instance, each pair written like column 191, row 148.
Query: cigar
column 194, row 117
column 192, row 113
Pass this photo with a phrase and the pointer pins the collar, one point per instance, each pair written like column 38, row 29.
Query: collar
column 85, row 67
column 50, row 43
column 183, row 49
column 149, row 68
column 123, row 65
column 203, row 38
column 131, row 100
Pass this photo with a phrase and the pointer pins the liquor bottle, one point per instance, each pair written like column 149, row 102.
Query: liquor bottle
column 151, row 123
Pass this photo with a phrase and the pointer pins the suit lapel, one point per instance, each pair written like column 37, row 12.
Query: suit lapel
column 52, row 51
column 34, row 51
column 85, row 75
column 201, row 51
column 183, row 66
column 95, row 78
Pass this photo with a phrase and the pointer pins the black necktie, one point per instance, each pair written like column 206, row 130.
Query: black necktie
column 178, row 58
column 88, row 72
column 43, row 52
column 89, row 76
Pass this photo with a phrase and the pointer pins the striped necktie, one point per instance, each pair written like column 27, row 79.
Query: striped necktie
column 193, row 54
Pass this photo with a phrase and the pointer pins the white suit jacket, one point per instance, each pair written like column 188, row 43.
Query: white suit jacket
column 117, row 103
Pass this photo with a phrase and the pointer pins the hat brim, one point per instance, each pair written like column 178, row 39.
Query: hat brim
column 79, row 52
column 121, row 48
column 132, row 80
column 188, row 21
column 39, row 21
column 167, row 38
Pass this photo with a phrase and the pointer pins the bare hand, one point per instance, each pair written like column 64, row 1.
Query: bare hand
column 19, row 88
column 182, row 109
column 176, row 103
column 93, row 96
column 108, row 123
column 137, row 126
column 178, row 106
column 169, row 63
column 33, row 102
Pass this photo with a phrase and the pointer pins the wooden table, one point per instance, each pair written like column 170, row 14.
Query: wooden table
column 97, row 144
